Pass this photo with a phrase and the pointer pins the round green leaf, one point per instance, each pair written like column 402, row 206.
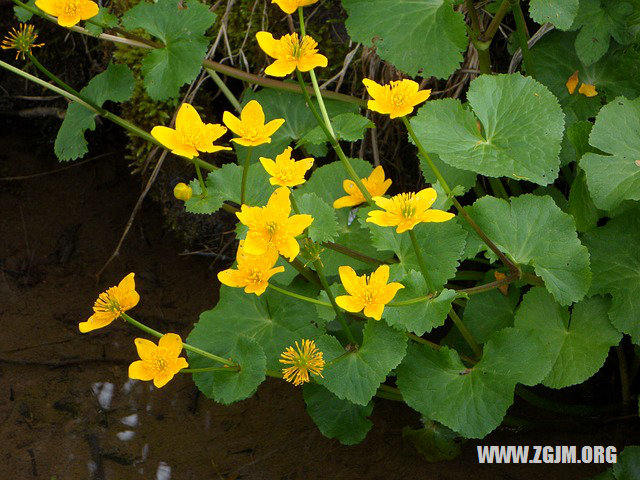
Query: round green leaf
column 515, row 129
column 560, row 13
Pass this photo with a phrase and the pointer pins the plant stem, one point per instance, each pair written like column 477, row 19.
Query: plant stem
column 209, row 369
column 498, row 188
column 423, row 266
column 298, row 296
column 482, row 47
column 466, row 334
column 98, row 111
column 224, row 89
column 186, row 346
column 493, row 27
column 57, row 80
column 523, row 36
column 483, row 236
column 353, row 254
column 304, row 271
column 245, row 172
column 323, row 280
column 203, row 185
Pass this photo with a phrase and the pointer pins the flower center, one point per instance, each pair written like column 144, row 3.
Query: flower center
column 106, row 303
column 194, row 136
column 255, row 276
column 407, row 207
column 252, row 132
column 71, row 7
column 160, row 364
column 272, row 227
column 398, row 99
column 286, row 174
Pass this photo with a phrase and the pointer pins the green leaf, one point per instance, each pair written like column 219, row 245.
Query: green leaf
column 534, row 231
column 575, row 345
column 357, row 375
column 22, row 14
column 273, row 320
column 615, row 261
column 434, row 441
column 337, row 418
column 442, row 245
column 227, row 386
column 115, row 84
column 628, row 465
column 421, row 317
column 347, row 126
column 615, row 74
column 202, row 204
column 299, row 121
column 103, row 17
column 325, row 225
column 578, row 135
column 181, row 30
column 581, row 205
column 437, row 384
column 600, row 20
column 489, row 140
column 560, row 13
column 424, row 37
column 455, row 177
column 615, row 176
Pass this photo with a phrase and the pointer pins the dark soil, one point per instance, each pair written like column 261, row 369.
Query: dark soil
column 67, row 407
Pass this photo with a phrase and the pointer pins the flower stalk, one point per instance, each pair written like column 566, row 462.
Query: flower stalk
column 423, row 266
column 245, row 173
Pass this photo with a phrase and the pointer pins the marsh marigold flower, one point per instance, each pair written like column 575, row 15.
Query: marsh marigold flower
column 370, row 293
column 190, row 135
column 290, row 53
column 111, row 304
column 21, row 39
column 182, row 191
column 305, row 360
column 253, row 271
column 585, row 89
column 158, row 362
column 69, row 12
column 375, row 184
column 272, row 226
column 396, row 99
column 285, row 171
column 406, row 210
column 250, row 126
column 290, row 6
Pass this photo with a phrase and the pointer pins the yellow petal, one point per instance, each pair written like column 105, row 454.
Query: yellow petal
column 374, row 310
column 232, row 122
column 374, row 89
column 377, row 176
column 588, row 90
column 254, row 244
column 279, row 201
column 426, row 197
column 146, row 349
column 171, row 343
column 281, row 68
column 298, row 223
column 212, row 131
column 349, row 303
column 350, row 280
column 162, row 379
column 139, row 370
column 572, row 82
column 436, row 216
column 271, row 127
column 268, row 44
column 309, row 62
column 52, row 7
column 167, row 137
column 232, row 278
column 380, row 276
column 269, row 166
column 96, row 321
column 407, row 224
column 288, row 247
column 421, row 96
column 347, row 201
column 376, row 106
column 389, row 291
column 385, row 203
column 87, row 9
column 66, row 20
column 186, row 151
column 188, row 118
column 383, row 219
column 402, row 111
column 252, row 114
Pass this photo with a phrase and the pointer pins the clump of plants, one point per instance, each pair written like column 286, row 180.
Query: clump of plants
column 517, row 266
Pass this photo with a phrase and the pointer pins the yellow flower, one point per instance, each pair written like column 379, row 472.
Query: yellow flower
column 272, row 225
column 588, row 90
column 69, row 12
column 253, row 272
column 290, row 53
column 376, row 185
column 285, row 171
column 368, row 293
column 22, row 40
column 158, row 362
column 406, row 210
column 304, row 360
column 250, row 126
column 396, row 99
column 290, row 6
column 572, row 83
column 182, row 191
column 111, row 304
column 190, row 135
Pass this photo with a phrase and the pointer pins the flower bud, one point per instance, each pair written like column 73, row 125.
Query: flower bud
column 182, row 191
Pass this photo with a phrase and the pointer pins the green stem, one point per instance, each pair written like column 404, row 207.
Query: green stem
column 523, row 36
column 466, row 334
column 224, row 89
column 332, row 299
column 482, row 47
column 97, row 110
column 493, row 27
column 304, row 271
column 445, row 186
column 423, row 266
column 186, row 346
column 353, row 254
column 245, row 173
column 209, row 369
column 298, row 296
column 203, row 186
column 57, row 80
column 498, row 188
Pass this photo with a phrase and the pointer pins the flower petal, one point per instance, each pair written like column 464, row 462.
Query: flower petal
column 52, row 7
column 268, row 44
column 374, row 89
column 436, row 216
column 309, row 62
column 389, row 291
column 146, row 349
column 188, row 118
column 232, row 278
column 298, row 223
column 162, row 379
column 347, row 201
column 167, row 137
column 271, row 127
column 96, row 321
column 252, row 114
column 572, row 83
column 380, row 277
column 87, row 10
column 171, row 343
column 383, row 219
column 350, row 303
column 351, row 282
column 269, row 166
column 232, row 122
column 426, row 197
column 288, row 247
column 281, row 68
column 139, row 370
column 374, row 310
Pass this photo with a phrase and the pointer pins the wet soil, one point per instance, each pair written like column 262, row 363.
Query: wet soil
column 67, row 408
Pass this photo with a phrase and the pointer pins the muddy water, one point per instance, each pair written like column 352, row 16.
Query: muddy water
column 67, row 408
